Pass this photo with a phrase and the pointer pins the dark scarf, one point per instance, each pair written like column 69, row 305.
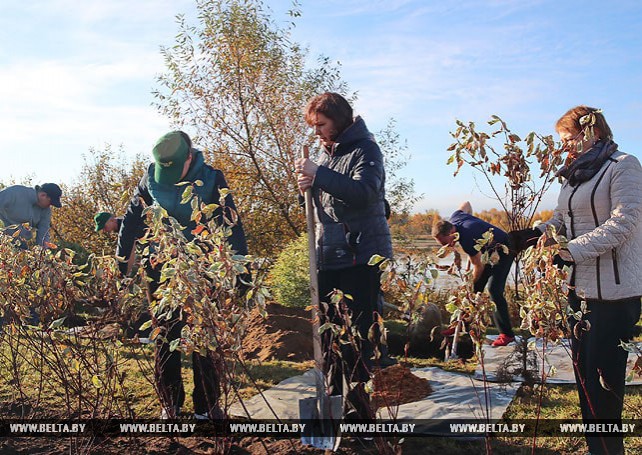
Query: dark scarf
column 585, row 166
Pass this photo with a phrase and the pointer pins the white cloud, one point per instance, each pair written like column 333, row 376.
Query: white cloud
column 83, row 80
column 89, row 12
column 58, row 84
column 57, row 110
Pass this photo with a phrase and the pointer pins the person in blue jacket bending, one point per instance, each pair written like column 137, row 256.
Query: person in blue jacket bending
column 470, row 229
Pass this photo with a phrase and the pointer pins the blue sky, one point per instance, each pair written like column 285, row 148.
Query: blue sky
column 75, row 75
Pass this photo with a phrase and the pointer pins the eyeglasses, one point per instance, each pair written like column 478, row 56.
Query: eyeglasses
column 574, row 145
column 572, row 139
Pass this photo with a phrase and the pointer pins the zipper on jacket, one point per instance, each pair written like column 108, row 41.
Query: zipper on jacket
column 570, row 215
column 570, row 212
column 597, row 223
column 616, row 272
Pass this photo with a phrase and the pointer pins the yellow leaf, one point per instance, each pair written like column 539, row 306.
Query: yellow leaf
column 154, row 333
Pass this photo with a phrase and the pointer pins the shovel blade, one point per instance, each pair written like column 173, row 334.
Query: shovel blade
column 307, row 413
column 322, row 422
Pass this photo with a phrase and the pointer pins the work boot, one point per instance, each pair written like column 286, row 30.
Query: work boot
column 166, row 413
column 216, row 414
column 359, row 401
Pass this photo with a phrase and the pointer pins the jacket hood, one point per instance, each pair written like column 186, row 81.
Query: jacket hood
column 193, row 174
column 356, row 132
column 198, row 161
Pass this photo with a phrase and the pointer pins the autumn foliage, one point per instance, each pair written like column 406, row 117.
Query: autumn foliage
column 106, row 180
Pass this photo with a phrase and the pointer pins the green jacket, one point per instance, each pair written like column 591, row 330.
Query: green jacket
column 169, row 197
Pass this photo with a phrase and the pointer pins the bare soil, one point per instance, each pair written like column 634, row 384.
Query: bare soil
column 173, row 446
column 397, row 385
column 286, row 334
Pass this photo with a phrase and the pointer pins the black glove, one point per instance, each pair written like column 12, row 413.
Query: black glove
column 523, row 238
column 241, row 287
column 560, row 263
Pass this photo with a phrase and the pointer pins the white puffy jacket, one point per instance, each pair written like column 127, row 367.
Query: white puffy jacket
column 603, row 221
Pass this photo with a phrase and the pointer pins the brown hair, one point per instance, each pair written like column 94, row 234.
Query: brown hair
column 580, row 117
column 333, row 106
column 187, row 140
column 441, row 227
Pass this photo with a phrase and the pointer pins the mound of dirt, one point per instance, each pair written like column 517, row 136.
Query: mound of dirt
column 286, row 334
column 397, row 385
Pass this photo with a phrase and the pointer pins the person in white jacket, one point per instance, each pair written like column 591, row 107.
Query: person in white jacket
column 600, row 208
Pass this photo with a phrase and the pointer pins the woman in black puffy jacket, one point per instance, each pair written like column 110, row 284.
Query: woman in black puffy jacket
column 348, row 192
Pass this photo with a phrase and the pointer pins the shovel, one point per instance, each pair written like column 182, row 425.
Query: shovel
column 452, row 355
column 323, row 412
column 453, row 352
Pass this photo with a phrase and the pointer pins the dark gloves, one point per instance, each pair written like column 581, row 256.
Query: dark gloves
column 523, row 238
column 241, row 285
column 560, row 263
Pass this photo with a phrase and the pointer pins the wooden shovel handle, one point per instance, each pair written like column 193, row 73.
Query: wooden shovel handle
column 314, row 279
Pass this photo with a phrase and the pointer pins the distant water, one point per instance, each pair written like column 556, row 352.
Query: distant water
column 427, row 246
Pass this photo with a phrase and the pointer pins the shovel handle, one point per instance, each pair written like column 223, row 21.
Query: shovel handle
column 314, row 279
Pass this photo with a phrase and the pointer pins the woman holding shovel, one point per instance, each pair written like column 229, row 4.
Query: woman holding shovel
column 348, row 196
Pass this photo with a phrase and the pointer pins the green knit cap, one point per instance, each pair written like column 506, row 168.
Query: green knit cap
column 101, row 219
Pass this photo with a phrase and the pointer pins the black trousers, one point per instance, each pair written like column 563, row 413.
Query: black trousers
column 361, row 282
column 167, row 365
column 495, row 276
column 596, row 353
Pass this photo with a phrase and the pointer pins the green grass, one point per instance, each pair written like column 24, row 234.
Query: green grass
column 397, row 326
column 43, row 364
column 266, row 375
column 456, row 366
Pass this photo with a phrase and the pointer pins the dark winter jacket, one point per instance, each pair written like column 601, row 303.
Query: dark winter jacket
column 348, row 192
column 149, row 191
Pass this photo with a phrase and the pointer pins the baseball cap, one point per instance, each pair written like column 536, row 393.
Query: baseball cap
column 53, row 191
column 170, row 153
column 101, row 219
